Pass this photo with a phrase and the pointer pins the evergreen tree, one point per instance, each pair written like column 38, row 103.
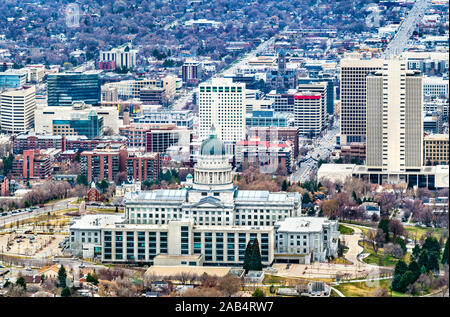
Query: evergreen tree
column 401, row 242
column 247, row 257
column 21, row 281
column 400, row 268
column 284, row 186
column 62, row 275
column 407, row 279
column 256, row 264
column 431, row 244
column 416, row 252
column 65, row 292
column 384, row 225
column 415, row 268
column 423, row 260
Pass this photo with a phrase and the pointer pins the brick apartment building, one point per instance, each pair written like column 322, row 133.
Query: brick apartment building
column 31, row 165
column 354, row 150
column 104, row 162
column 143, row 166
column 154, row 137
column 37, row 142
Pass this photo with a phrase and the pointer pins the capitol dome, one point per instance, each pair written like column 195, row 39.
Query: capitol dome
column 213, row 145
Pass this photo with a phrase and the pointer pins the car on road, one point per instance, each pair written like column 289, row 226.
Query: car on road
column 4, row 214
column 41, row 206
column 14, row 212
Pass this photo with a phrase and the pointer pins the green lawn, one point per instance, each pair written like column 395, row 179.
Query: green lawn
column 417, row 232
column 362, row 289
column 345, row 230
column 380, row 258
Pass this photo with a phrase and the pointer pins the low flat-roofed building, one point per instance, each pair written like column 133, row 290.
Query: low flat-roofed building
column 159, row 270
column 85, row 233
column 220, row 245
column 431, row 177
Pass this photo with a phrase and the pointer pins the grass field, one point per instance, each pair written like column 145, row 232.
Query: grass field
column 362, row 289
column 380, row 258
column 345, row 230
column 417, row 232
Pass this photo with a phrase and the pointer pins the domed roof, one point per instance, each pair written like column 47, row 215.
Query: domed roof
column 213, row 145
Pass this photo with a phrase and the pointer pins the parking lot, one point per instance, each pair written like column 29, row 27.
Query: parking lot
column 38, row 246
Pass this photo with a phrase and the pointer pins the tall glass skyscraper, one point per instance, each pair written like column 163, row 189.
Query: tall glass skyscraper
column 65, row 88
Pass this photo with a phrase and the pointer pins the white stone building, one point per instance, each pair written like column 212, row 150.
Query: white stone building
column 305, row 239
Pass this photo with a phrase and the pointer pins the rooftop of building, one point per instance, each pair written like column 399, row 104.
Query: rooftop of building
column 96, row 222
column 436, row 137
column 302, row 224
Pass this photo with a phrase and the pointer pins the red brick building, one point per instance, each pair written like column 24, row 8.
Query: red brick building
column 31, row 165
column 105, row 162
column 354, row 150
column 94, row 194
column 143, row 166
column 38, row 142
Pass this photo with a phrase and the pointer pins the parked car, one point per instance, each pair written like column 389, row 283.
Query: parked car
column 4, row 214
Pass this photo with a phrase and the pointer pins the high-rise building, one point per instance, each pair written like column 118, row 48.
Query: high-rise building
column 330, row 89
column 394, row 118
column 222, row 105
column 17, row 110
column 318, row 87
column 65, row 88
column 353, row 97
column 191, row 71
column 308, row 112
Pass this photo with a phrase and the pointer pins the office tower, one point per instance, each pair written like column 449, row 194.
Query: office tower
column 17, row 110
column 330, row 89
column 222, row 104
column 120, row 57
column 13, row 78
column 65, row 88
column 308, row 107
column 88, row 124
column 353, row 97
column 191, row 71
column 395, row 118
column 321, row 88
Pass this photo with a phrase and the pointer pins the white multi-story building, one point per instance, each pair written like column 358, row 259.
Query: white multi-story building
column 394, row 118
column 308, row 112
column 124, row 56
column 305, row 239
column 435, row 87
column 353, row 97
column 222, row 105
column 317, row 87
column 45, row 115
column 131, row 89
column 85, row 233
column 17, row 110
